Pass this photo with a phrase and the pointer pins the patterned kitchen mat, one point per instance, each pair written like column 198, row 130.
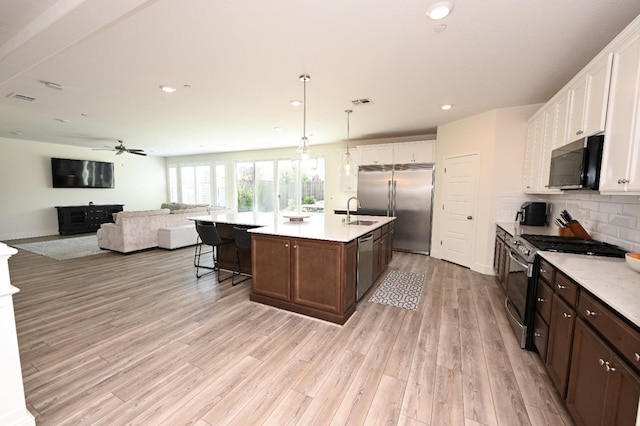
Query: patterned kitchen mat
column 400, row 289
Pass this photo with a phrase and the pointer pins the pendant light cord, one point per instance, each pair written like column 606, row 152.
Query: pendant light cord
column 304, row 79
column 349, row 111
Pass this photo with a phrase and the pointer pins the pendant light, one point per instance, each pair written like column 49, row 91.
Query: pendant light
column 348, row 167
column 304, row 154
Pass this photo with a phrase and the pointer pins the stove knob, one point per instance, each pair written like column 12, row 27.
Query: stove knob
column 527, row 252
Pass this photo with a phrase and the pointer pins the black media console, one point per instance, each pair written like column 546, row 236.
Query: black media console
column 79, row 219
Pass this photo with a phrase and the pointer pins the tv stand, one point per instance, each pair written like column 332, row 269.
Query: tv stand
column 82, row 219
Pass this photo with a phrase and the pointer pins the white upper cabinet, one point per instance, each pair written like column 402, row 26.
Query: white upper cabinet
column 589, row 94
column 561, row 118
column 414, row 152
column 533, row 153
column 540, row 134
column 398, row 153
column 376, row 154
column 620, row 172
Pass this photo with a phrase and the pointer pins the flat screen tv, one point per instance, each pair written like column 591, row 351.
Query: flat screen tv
column 68, row 173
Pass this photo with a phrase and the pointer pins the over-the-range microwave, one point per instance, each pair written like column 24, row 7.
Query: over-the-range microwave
column 577, row 165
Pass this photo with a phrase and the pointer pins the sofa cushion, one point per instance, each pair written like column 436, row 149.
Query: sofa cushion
column 136, row 213
column 190, row 210
column 180, row 206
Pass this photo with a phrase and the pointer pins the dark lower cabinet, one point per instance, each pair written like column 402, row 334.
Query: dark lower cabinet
column 81, row 219
column 602, row 389
column 592, row 354
column 563, row 319
column 311, row 277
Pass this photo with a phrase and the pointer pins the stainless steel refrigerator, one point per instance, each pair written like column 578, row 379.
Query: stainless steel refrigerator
column 404, row 191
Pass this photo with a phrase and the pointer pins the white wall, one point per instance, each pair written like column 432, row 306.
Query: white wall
column 498, row 137
column 28, row 197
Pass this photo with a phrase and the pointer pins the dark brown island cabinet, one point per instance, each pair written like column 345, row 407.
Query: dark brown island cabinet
column 591, row 353
column 311, row 277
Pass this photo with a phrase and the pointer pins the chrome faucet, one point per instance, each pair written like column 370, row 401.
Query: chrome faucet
column 349, row 202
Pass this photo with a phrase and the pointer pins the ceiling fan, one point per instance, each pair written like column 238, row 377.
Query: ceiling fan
column 120, row 148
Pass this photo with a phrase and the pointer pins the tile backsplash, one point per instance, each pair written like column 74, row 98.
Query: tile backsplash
column 613, row 219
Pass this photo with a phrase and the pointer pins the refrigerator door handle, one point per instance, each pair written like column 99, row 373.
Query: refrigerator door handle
column 393, row 198
column 388, row 197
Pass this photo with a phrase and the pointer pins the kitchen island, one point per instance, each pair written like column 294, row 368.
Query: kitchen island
column 309, row 267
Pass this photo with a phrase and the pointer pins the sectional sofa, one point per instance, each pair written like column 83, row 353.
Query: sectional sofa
column 138, row 230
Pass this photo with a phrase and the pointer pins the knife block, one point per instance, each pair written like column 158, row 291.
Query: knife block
column 577, row 230
column 565, row 232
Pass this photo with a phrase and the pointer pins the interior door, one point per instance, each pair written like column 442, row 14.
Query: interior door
column 460, row 186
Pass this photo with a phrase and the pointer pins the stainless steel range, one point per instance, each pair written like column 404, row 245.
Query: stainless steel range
column 523, row 274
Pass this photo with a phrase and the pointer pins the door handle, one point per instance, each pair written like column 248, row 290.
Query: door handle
column 469, row 217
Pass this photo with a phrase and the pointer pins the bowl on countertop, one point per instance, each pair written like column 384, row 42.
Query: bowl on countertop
column 633, row 260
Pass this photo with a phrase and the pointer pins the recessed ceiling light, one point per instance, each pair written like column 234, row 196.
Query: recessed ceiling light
column 52, row 85
column 295, row 102
column 167, row 89
column 446, row 107
column 440, row 10
column 440, row 28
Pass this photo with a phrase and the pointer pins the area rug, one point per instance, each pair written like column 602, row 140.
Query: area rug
column 65, row 248
column 400, row 289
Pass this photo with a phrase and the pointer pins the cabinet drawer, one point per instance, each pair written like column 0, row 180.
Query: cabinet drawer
column 541, row 336
column 547, row 271
column 566, row 288
column 543, row 301
column 619, row 334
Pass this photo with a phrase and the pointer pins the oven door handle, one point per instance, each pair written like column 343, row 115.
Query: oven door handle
column 527, row 267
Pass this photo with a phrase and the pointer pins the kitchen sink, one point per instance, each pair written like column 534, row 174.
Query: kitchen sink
column 362, row 222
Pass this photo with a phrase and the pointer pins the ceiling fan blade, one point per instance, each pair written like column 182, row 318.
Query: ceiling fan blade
column 119, row 152
column 135, row 150
column 138, row 153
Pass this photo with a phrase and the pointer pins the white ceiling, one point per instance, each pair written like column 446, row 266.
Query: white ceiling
column 236, row 66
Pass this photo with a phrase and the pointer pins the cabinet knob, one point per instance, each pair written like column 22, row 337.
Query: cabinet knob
column 590, row 313
column 608, row 368
column 601, row 361
column 543, row 271
column 622, row 181
column 469, row 217
column 561, row 287
column 295, row 247
column 286, row 245
column 537, row 334
column 541, row 300
column 566, row 315
column 636, row 356
column 579, row 132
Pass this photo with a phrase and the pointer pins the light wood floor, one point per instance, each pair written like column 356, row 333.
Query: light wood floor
column 137, row 339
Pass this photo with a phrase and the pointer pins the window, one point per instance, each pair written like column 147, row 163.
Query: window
column 193, row 184
column 294, row 190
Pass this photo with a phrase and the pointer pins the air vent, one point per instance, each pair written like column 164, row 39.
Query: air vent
column 362, row 101
column 21, row 97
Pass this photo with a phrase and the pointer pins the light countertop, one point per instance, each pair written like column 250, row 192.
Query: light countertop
column 609, row 279
column 514, row 228
column 318, row 226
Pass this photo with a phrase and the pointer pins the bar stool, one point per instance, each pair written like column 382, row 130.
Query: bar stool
column 208, row 235
column 242, row 240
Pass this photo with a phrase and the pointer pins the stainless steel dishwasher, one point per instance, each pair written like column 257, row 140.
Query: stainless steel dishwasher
column 364, row 278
